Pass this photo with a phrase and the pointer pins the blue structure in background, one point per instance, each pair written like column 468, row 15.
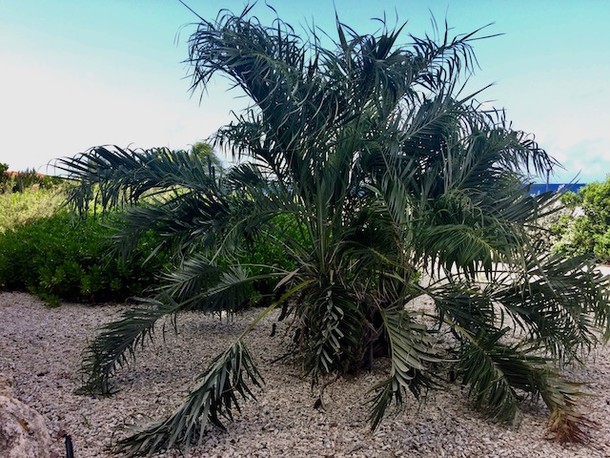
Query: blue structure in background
column 538, row 188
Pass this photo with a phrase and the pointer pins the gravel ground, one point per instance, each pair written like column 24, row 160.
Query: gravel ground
column 40, row 349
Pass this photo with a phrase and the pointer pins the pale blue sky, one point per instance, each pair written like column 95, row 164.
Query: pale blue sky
column 79, row 73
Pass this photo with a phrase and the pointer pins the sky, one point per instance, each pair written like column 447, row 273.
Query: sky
column 79, row 73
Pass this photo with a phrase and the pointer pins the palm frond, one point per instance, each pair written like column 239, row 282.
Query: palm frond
column 466, row 304
column 111, row 176
column 215, row 397
column 201, row 284
column 485, row 366
column 412, row 352
column 459, row 246
column 234, row 289
column 117, row 342
column 566, row 424
column 183, row 221
column 558, row 302
column 494, row 371
column 188, row 283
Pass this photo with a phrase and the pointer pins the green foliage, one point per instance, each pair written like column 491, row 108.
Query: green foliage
column 267, row 252
column 18, row 208
column 586, row 229
column 4, row 177
column 362, row 170
column 262, row 251
column 115, row 343
column 412, row 354
column 26, row 196
column 205, row 150
column 20, row 181
column 57, row 257
column 32, row 179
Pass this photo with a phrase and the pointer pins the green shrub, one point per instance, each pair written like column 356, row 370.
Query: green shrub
column 26, row 196
column 20, row 181
column 59, row 258
column 4, row 177
column 586, row 229
column 17, row 208
column 260, row 252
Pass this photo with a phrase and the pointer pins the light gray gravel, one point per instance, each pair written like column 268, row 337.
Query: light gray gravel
column 40, row 349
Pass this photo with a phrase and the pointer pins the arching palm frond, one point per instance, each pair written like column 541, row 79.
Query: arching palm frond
column 467, row 304
column 220, row 388
column 111, row 176
column 486, row 366
column 498, row 375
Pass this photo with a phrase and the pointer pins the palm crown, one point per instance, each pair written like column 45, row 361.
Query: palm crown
column 395, row 186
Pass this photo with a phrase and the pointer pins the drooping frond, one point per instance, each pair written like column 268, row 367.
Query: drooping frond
column 118, row 341
column 215, row 398
column 486, row 366
column 558, row 301
column 184, row 222
column 412, row 352
column 459, row 246
column 466, row 304
column 233, row 291
column 201, row 284
column 566, row 424
column 189, row 282
column 495, row 371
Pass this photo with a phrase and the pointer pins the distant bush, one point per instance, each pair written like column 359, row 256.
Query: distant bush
column 586, row 228
column 26, row 196
column 17, row 208
column 20, row 181
column 4, row 177
column 59, row 258
column 259, row 252
column 45, row 251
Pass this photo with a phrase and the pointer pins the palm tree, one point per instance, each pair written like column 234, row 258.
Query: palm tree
column 399, row 185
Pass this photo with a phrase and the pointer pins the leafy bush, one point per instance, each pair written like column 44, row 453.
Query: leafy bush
column 262, row 255
column 585, row 230
column 57, row 257
column 20, row 181
column 17, row 208
column 26, row 196
column 4, row 177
